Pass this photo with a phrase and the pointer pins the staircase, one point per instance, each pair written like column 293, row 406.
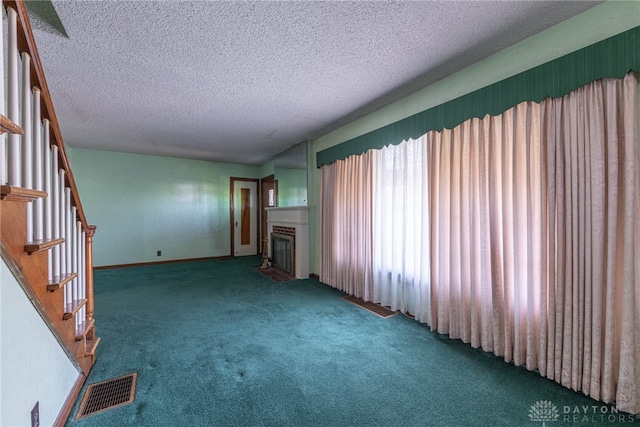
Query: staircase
column 45, row 238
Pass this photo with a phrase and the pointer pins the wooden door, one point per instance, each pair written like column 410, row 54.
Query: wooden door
column 244, row 216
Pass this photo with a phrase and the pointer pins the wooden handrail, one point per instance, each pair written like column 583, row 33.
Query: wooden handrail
column 7, row 125
column 26, row 43
column 49, row 303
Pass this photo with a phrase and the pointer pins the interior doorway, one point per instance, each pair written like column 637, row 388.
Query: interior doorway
column 244, row 216
column 269, row 199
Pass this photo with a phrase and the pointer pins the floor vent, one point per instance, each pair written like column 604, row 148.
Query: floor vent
column 369, row 306
column 108, row 395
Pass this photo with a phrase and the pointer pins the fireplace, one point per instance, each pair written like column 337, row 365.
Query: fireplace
column 283, row 252
column 293, row 223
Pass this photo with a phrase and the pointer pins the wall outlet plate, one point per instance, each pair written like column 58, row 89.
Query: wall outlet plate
column 35, row 415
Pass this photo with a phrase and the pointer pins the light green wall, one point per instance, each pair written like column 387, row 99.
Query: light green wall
column 292, row 187
column 596, row 24
column 143, row 204
column 267, row 169
column 34, row 368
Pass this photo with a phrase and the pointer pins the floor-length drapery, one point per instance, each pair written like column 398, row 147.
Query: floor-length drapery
column 593, row 215
column 534, row 215
column 531, row 219
column 485, row 205
column 346, row 226
column 401, row 228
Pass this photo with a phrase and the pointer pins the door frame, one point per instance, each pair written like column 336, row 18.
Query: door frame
column 264, row 203
column 232, row 212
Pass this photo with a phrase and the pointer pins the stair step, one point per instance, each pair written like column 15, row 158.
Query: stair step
column 41, row 245
column 7, row 126
column 72, row 308
column 59, row 281
column 83, row 329
column 19, row 194
column 90, row 347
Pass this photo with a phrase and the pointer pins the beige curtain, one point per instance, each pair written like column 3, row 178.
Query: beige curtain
column 486, row 207
column 534, row 219
column 593, row 332
column 346, row 226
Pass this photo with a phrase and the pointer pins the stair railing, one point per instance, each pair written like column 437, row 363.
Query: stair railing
column 34, row 168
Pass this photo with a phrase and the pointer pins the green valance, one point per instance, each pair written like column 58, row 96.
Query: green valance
column 613, row 57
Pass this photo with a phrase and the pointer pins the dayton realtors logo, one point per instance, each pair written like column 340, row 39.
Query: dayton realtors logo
column 596, row 414
column 545, row 411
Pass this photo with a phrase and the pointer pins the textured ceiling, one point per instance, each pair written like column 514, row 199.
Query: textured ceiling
column 242, row 81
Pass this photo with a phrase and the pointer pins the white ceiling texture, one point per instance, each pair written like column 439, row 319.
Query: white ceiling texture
column 241, row 81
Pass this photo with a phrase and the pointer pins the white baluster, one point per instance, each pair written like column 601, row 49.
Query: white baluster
column 3, row 139
column 79, row 318
column 74, row 251
column 48, row 232
column 3, row 62
column 13, row 149
column 68, row 228
column 62, row 218
column 27, row 138
column 27, row 125
column 38, row 168
column 48, row 201
column 82, row 269
column 74, row 256
column 79, row 245
column 55, row 210
column 65, row 266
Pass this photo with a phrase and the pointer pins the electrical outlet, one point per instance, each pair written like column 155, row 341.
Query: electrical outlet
column 35, row 415
column 159, row 253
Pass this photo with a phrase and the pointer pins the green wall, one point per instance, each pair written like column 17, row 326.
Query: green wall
column 142, row 204
column 34, row 368
column 292, row 187
column 266, row 170
column 596, row 24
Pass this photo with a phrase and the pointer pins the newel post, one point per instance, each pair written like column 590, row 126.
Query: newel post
column 91, row 230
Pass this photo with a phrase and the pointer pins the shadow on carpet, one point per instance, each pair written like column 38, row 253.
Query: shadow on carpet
column 275, row 274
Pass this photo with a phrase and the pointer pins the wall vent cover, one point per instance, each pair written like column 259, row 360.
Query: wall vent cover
column 108, row 394
column 369, row 306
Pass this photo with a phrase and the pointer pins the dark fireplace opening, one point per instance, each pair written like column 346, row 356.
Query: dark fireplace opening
column 283, row 252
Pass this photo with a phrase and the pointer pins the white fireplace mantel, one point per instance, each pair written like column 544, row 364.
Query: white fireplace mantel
column 296, row 217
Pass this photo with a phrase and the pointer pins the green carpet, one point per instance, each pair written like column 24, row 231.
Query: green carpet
column 217, row 343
